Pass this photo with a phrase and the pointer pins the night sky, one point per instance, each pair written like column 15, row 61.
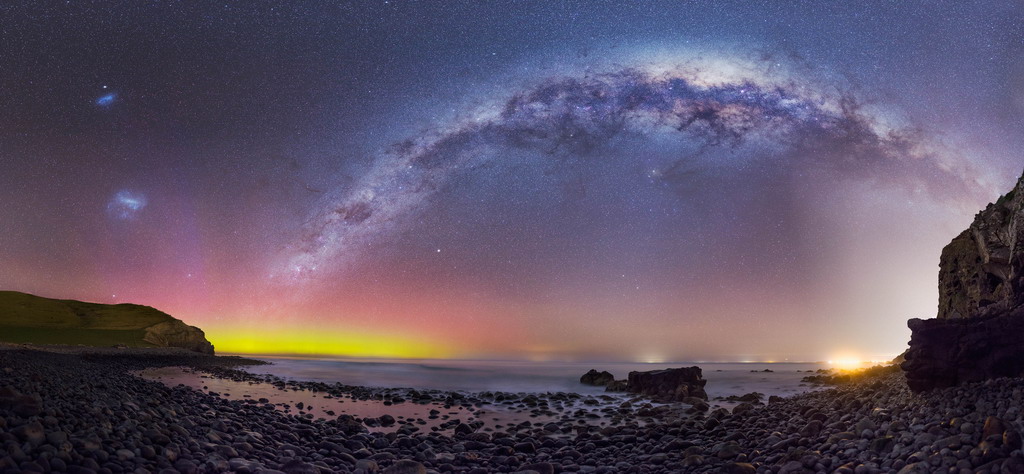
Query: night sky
column 543, row 180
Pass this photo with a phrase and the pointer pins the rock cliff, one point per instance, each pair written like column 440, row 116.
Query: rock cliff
column 978, row 331
column 980, row 271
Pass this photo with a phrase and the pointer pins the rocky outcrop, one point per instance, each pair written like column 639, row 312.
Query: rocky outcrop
column 948, row 352
column 665, row 385
column 981, row 272
column 669, row 385
column 599, row 379
column 979, row 329
column 178, row 334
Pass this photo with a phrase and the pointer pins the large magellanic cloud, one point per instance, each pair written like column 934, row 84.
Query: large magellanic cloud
column 784, row 119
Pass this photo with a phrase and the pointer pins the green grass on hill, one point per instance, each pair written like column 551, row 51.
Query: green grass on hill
column 26, row 318
column 25, row 310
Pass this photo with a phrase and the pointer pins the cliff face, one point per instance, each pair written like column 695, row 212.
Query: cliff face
column 981, row 269
column 178, row 334
column 979, row 328
column 26, row 318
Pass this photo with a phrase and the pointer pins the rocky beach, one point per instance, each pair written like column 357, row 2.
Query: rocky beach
column 86, row 410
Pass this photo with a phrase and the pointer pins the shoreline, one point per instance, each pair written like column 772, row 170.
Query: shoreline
column 82, row 410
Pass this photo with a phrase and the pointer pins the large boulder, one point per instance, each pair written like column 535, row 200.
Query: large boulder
column 979, row 329
column 669, row 385
column 948, row 352
column 600, row 379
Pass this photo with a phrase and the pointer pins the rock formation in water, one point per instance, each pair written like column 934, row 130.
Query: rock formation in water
column 979, row 330
column 665, row 385
column 600, row 379
column 669, row 385
column 26, row 318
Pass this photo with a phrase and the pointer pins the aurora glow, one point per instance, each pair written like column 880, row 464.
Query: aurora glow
column 529, row 180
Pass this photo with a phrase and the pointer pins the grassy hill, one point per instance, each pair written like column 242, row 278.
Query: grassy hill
column 26, row 318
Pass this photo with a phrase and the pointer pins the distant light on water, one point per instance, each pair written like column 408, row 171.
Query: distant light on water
column 847, row 362
column 652, row 359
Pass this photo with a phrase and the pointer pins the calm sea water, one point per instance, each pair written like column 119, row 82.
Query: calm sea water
column 724, row 379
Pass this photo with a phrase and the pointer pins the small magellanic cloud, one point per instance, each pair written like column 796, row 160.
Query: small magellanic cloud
column 126, row 205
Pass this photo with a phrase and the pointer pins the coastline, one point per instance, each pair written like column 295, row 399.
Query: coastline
column 82, row 410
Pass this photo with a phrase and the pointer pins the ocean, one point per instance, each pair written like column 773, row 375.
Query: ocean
column 724, row 379
column 472, row 377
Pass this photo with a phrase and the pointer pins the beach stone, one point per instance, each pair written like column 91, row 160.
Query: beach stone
column 742, row 408
column 739, row 468
column 32, row 433
column 1012, row 439
column 993, row 426
column 26, row 405
column 539, row 468
column 697, row 403
column 186, row 466
column 525, row 447
column 367, row 465
column 728, row 450
column 811, row 429
column 693, row 460
column 297, row 466
column 617, row 386
column 406, row 466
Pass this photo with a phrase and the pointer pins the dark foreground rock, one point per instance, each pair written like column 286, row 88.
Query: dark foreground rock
column 948, row 352
column 979, row 327
column 600, row 379
column 669, row 384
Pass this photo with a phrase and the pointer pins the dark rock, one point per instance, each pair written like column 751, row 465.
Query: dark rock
column 976, row 334
column 980, row 271
column 540, row 467
column 600, row 379
column 669, row 384
column 617, row 386
column 739, row 468
column 406, row 466
column 949, row 352
column 742, row 408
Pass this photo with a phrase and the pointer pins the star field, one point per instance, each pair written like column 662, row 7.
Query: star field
column 670, row 180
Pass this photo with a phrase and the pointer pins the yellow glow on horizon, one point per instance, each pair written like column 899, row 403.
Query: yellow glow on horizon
column 322, row 342
column 846, row 363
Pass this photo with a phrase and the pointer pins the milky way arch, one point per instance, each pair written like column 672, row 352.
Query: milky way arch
column 577, row 115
